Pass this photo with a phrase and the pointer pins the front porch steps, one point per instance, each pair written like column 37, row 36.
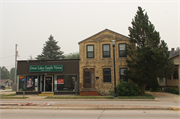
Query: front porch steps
column 89, row 92
column 46, row 94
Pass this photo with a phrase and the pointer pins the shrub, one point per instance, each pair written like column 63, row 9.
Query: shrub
column 111, row 93
column 126, row 89
column 152, row 85
column 171, row 90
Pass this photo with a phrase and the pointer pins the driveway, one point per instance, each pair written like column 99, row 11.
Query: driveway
column 6, row 91
column 165, row 97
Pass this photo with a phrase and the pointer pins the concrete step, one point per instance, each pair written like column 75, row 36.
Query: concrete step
column 90, row 93
column 46, row 94
column 88, row 89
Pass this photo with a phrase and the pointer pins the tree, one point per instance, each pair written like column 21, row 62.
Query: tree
column 148, row 56
column 72, row 56
column 12, row 74
column 51, row 51
column 4, row 73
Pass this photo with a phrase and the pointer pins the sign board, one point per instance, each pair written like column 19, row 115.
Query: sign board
column 45, row 68
column 60, row 81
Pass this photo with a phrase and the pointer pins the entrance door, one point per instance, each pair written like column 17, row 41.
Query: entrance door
column 87, row 79
column 48, row 85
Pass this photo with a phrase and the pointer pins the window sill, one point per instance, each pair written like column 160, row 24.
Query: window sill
column 90, row 58
column 107, row 58
column 107, row 82
column 122, row 57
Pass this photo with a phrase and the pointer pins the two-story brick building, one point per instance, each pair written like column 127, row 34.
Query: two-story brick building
column 96, row 65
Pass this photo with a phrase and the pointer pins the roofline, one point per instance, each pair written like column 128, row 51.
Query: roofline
column 174, row 56
column 101, row 32
column 46, row 60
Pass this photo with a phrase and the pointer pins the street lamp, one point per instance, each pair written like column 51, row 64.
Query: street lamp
column 113, row 44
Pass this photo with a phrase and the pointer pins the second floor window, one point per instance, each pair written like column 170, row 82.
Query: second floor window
column 90, row 51
column 122, row 48
column 106, row 50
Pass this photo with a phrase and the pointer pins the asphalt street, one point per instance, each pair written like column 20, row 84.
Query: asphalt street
column 88, row 114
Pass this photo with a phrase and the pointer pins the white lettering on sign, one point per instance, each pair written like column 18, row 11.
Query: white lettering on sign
column 57, row 67
column 40, row 68
column 33, row 68
column 48, row 67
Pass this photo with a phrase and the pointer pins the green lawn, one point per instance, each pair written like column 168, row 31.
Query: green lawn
column 10, row 96
column 145, row 96
column 80, row 97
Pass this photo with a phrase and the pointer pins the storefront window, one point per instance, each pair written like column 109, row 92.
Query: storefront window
column 66, row 83
column 22, row 83
column 28, row 83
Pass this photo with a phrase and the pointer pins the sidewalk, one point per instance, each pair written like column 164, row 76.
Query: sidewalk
column 165, row 97
column 92, row 107
column 159, row 96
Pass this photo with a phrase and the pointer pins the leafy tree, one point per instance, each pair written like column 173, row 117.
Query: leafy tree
column 72, row 56
column 148, row 57
column 51, row 51
column 4, row 73
column 12, row 74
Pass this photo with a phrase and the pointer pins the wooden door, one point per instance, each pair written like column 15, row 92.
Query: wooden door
column 87, row 79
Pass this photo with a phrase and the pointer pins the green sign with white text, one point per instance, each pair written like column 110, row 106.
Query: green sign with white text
column 45, row 68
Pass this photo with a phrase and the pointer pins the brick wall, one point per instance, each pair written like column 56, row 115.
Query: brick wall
column 98, row 62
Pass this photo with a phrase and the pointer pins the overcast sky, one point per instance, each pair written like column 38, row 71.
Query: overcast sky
column 29, row 23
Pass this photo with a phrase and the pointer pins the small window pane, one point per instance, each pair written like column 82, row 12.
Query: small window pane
column 122, row 46
column 122, row 71
column 107, row 71
column 90, row 48
column 90, row 54
column 105, row 47
column 106, row 53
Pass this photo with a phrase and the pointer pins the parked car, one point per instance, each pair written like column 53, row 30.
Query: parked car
column 3, row 87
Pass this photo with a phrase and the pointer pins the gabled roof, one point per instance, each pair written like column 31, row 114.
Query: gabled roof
column 102, row 32
column 174, row 53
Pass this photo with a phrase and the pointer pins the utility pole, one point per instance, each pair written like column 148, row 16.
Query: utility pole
column 14, row 87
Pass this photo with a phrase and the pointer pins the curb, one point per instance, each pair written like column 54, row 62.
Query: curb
column 88, row 108
column 175, row 109
column 8, row 104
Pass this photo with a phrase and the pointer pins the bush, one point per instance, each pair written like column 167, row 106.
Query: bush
column 126, row 89
column 171, row 90
column 152, row 85
column 111, row 93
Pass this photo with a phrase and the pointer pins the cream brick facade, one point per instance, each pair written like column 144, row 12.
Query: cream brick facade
column 96, row 64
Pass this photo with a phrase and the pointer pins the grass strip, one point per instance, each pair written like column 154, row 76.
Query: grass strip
column 79, row 97
column 8, row 97
column 144, row 96
column 136, row 97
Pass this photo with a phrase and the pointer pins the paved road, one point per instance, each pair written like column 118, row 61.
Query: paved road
column 88, row 114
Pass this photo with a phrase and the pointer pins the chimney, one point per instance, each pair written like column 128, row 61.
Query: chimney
column 172, row 49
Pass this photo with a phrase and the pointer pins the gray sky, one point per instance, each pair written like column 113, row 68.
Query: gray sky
column 29, row 23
